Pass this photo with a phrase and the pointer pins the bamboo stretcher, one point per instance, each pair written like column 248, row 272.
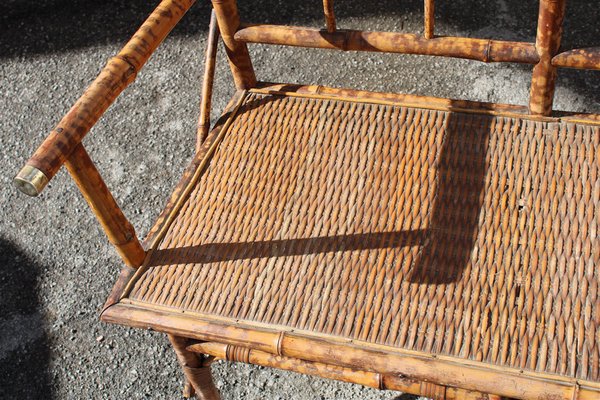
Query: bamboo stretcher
column 439, row 247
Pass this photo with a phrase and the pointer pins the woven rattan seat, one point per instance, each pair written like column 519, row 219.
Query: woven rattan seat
column 431, row 231
column 439, row 247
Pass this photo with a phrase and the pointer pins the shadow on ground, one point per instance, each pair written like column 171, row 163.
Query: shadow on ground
column 24, row 343
column 30, row 27
column 406, row 397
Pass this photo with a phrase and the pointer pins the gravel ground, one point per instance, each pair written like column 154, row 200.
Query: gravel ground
column 57, row 267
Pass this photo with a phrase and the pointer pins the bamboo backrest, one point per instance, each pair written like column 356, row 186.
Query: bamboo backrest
column 543, row 54
column 64, row 144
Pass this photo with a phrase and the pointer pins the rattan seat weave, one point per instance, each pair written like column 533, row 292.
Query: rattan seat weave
column 470, row 235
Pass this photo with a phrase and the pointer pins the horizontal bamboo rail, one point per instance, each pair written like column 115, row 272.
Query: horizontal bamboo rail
column 407, row 100
column 208, row 80
column 119, row 230
column 365, row 378
column 391, row 42
column 446, row 371
column 588, row 58
column 114, row 78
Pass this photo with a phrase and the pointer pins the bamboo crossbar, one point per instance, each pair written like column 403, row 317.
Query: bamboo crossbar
column 391, row 42
column 370, row 379
column 208, row 80
column 97, row 98
column 588, row 58
column 119, row 230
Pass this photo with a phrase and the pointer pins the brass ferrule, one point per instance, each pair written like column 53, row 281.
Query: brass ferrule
column 31, row 180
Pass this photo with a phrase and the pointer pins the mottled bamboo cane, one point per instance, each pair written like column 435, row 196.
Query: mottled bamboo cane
column 588, row 58
column 119, row 230
column 476, row 49
column 196, row 372
column 329, row 15
column 237, row 52
column 114, row 78
column 549, row 32
column 208, row 81
column 365, row 378
column 428, row 31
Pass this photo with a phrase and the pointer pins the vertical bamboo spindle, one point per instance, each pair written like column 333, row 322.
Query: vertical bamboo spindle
column 237, row 52
column 549, row 32
column 329, row 15
column 118, row 229
column 207, row 83
column 429, row 19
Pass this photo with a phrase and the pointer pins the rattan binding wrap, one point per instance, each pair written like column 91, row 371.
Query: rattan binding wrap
column 467, row 235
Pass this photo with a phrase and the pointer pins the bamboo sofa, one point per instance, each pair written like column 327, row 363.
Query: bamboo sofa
column 438, row 247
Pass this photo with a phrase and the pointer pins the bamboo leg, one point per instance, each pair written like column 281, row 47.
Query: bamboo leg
column 188, row 389
column 196, row 372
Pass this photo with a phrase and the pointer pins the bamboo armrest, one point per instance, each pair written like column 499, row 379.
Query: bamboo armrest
column 119, row 72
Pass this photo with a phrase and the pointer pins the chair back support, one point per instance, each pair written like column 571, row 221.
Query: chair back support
column 63, row 145
column 543, row 54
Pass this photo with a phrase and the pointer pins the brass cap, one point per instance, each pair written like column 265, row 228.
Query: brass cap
column 31, row 180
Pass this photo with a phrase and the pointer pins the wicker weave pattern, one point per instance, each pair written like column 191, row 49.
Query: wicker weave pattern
column 462, row 234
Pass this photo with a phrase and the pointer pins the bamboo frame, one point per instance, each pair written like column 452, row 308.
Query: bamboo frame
column 429, row 22
column 237, row 52
column 365, row 378
column 445, row 371
column 208, row 81
column 119, row 230
column 547, row 43
column 120, row 71
column 391, row 42
column 329, row 16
